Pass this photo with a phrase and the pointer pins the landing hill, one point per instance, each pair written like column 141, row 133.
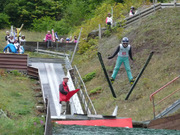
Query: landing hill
column 159, row 33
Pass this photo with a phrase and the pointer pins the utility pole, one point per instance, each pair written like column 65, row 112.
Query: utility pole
column 112, row 15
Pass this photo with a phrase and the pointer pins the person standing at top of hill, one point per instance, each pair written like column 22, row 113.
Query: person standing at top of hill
column 48, row 39
column 7, row 37
column 124, row 52
column 132, row 11
column 109, row 20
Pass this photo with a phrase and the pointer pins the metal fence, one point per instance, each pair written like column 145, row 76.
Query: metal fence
column 32, row 45
column 18, row 62
column 48, row 125
column 13, row 61
column 33, row 72
column 86, row 102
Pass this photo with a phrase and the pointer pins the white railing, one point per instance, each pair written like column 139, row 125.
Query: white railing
column 78, row 82
column 148, row 11
column 86, row 102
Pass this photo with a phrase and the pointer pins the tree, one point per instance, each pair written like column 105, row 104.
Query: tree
column 4, row 20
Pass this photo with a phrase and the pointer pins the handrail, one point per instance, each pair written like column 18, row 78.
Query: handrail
column 157, row 91
column 167, row 96
column 163, row 87
column 89, row 100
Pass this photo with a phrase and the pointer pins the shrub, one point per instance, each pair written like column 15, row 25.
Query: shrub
column 2, row 72
column 96, row 90
column 61, row 27
column 92, row 42
column 43, row 24
column 89, row 76
column 107, row 33
column 48, row 23
column 16, row 73
column 83, row 47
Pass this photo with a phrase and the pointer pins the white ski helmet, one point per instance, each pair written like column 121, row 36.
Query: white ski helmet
column 125, row 40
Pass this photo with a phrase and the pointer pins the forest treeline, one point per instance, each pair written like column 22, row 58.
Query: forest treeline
column 42, row 15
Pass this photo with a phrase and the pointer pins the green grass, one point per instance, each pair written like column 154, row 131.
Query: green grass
column 160, row 33
column 18, row 102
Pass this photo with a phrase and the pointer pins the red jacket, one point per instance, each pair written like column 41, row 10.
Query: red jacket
column 63, row 91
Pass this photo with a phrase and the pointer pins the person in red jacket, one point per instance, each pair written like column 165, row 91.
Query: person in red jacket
column 63, row 91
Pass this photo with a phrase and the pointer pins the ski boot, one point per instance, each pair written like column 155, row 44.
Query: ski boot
column 132, row 81
column 112, row 80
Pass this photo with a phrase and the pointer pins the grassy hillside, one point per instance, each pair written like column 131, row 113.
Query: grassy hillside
column 160, row 33
column 18, row 102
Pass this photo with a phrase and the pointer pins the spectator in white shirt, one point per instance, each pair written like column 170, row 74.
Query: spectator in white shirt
column 23, row 38
column 109, row 20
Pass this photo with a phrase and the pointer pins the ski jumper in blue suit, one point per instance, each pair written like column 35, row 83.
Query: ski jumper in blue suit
column 123, row 57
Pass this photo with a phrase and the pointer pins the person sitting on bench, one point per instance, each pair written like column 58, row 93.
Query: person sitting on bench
column 48, row 39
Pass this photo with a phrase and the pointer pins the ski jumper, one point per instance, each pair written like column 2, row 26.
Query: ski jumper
column 123, row 54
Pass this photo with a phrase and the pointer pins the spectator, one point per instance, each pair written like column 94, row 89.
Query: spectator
column 67, row 40
column 21, row 49
column 7, row 37
column 15, row 37
column 10, row 40
column 16, row 44
column 16, row 33
column 48, row 39
column 71, row 40
column 10, row 48
column 22, row 39
column 56, row 36
column 75, row 39
column 61, row 40
column 109, row 20
column 132, row 11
